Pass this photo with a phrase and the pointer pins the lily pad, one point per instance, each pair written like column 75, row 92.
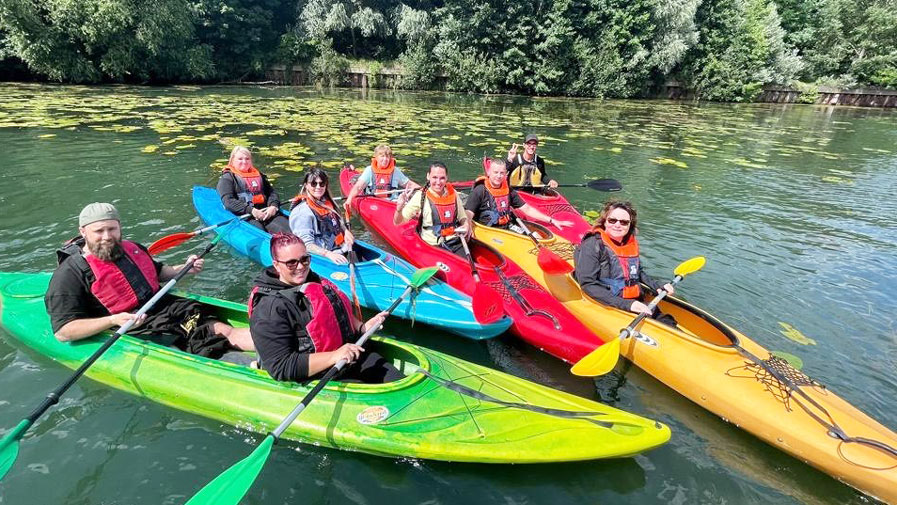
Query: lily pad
column 793, row 334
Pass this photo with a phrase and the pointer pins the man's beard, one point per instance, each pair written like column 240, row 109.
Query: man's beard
column 106, row 250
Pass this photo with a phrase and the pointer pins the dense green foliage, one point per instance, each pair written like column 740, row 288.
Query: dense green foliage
column 722, row 49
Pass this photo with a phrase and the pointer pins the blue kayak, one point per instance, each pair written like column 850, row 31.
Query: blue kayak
column 380, row 277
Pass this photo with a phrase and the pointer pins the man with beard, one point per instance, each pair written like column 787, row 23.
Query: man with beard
column 102, row 280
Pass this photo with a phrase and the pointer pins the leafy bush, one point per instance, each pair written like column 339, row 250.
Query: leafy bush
column 329, row 68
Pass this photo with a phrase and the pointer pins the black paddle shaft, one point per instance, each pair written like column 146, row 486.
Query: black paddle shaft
column 53, row 397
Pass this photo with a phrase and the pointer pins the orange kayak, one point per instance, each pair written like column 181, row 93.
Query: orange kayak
column 730, row 375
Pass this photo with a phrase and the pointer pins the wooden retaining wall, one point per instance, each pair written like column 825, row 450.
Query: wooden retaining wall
column 359, row 77
column 863, row 97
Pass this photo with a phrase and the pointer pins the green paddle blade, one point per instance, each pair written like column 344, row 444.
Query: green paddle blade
column 230, row 487
column 422, row 275
column 690, row 266
column 598, row 362
column 9, row 446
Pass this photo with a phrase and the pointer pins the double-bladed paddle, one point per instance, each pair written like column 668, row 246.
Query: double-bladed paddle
column 231, row 485
column 603, row 359
column 9, row 445
column 596, row 184
column 548, row 260
column 485, row 302
column 176, row 239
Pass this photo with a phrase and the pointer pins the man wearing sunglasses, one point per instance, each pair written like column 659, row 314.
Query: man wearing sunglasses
column 607, row 262
column 528, row 168
column 302, row 325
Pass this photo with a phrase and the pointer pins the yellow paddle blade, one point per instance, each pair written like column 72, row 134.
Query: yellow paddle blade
column 600, row 361
column 690, row 266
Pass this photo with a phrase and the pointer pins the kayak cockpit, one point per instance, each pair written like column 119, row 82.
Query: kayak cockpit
column 699, row 323
column 485, row 256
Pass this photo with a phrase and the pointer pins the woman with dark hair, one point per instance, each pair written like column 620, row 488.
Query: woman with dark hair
column 316, row 220
column 608, row 266
column 302, row 324
column 245, row 190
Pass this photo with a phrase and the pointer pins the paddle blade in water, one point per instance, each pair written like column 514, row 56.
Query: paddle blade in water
column 551, row 263
column 600, row 361
column 167, row 242
column 422, row 275
column 230, row 487
column 486, row 305
column 9, row 446
column 690, row 266
column 605, row 185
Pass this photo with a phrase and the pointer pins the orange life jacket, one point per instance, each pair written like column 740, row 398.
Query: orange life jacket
column 252, row 188
column 328, row 219
column 444, row 211
column 501, row 202
column 382, row 180
column 625, row 280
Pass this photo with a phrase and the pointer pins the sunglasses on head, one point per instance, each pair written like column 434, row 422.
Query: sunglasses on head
column 318, row 184
column 292, row 264
column 612, row 220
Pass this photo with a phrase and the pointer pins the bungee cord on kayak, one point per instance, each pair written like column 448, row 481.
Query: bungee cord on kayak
column 791, row 382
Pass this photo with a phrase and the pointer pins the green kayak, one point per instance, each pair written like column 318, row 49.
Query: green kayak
column 444, row 409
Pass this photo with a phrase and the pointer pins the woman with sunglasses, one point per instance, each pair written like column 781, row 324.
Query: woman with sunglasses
column 607, row 262
column 302, row 324
column 245, row 190
column 317, row 222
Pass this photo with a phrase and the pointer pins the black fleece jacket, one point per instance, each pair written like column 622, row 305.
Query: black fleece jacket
column 278, row 329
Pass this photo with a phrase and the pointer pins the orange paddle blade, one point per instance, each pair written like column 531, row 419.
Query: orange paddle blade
column 551, row 263
column 486, row 305
column 169, row 241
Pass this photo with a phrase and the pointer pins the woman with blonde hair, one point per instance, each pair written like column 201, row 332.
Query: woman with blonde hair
column 381, row 178
column 245, row 190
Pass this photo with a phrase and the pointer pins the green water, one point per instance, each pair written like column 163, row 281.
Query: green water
column 792, row 205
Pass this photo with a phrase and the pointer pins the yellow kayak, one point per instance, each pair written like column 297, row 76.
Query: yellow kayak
column 730, row 375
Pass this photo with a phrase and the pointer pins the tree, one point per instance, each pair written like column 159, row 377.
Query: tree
column 741, row 48
column 243, row 34
column 95, row 40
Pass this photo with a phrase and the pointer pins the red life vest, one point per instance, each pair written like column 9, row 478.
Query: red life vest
column 328, row 219
column 329, row 325
column 625, row 281
column 113, row 288
column 252, row 185
column 443, row 211
column 501, row 201
column 382, row 180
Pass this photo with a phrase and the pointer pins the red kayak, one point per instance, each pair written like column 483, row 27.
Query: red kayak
column 551, row 203
column 538, row 318
column 554, row 204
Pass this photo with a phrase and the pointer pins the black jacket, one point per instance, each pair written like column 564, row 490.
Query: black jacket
column 277, row 325
column 592, row 259
column 228, row 189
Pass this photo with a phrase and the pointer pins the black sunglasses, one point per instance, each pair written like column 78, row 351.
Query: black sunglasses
column 317, row 184
column 611, row 220
column 305, row 259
